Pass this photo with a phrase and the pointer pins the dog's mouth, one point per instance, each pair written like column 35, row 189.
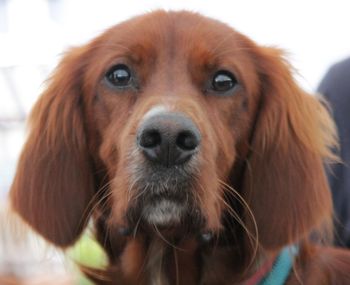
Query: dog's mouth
column 164, row 201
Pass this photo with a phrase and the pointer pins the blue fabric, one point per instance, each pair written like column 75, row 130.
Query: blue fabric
column 335, row 87
column 281, row 268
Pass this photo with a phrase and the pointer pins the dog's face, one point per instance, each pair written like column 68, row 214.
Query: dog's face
column 175, row 124
column 171, row 104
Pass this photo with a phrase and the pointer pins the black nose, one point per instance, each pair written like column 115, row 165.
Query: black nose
column 168, row 139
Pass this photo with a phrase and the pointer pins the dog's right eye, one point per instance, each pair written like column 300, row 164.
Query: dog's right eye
column 223, row 81
column 119, row 76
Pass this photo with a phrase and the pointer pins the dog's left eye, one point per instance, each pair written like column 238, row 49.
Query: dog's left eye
column 223, row 80
column 119, row 75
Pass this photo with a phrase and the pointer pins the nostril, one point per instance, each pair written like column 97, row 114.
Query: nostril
column 150, row 139
column 187, row 140
column 168, row 139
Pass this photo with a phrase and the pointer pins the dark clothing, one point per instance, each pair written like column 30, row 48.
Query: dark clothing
column 335, row 86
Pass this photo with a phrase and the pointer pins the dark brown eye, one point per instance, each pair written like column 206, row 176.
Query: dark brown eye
column 119, row 75
column 223, row 81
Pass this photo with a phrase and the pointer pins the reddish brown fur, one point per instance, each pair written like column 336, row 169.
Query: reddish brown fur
column 261, row 158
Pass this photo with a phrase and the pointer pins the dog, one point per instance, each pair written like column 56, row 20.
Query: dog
column 193, row 151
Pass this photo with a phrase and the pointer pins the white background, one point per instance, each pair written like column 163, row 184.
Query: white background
column 315, row 33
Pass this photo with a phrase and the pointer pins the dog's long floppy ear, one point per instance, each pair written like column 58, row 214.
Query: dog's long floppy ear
column 53, row 183
column 285, row 183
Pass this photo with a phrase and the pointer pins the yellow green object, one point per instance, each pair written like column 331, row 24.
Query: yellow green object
column 89, row 253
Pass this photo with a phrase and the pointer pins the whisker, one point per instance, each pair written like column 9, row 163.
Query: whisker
column 254, row 239
column 242, row 201
column 87, row 211
column 221, row 43
column 130, row 194
column 176, row 267
column 235, row 215
column 142, row 192
column 136, row 226
column 165, row 240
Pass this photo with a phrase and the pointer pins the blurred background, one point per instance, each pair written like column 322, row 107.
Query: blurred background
column 33, row 35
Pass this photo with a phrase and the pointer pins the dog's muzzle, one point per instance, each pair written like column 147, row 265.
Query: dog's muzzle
column 169, row 144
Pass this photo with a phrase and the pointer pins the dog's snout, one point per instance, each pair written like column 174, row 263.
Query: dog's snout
column 168, row 139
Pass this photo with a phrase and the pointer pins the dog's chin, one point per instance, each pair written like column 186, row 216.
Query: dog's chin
column 164, row 213
column 171, row 217
column 165, row 200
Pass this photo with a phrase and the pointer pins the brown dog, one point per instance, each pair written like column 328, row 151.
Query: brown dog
column 195, row 153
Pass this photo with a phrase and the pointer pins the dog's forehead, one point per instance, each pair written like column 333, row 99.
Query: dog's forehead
column 175, row 33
